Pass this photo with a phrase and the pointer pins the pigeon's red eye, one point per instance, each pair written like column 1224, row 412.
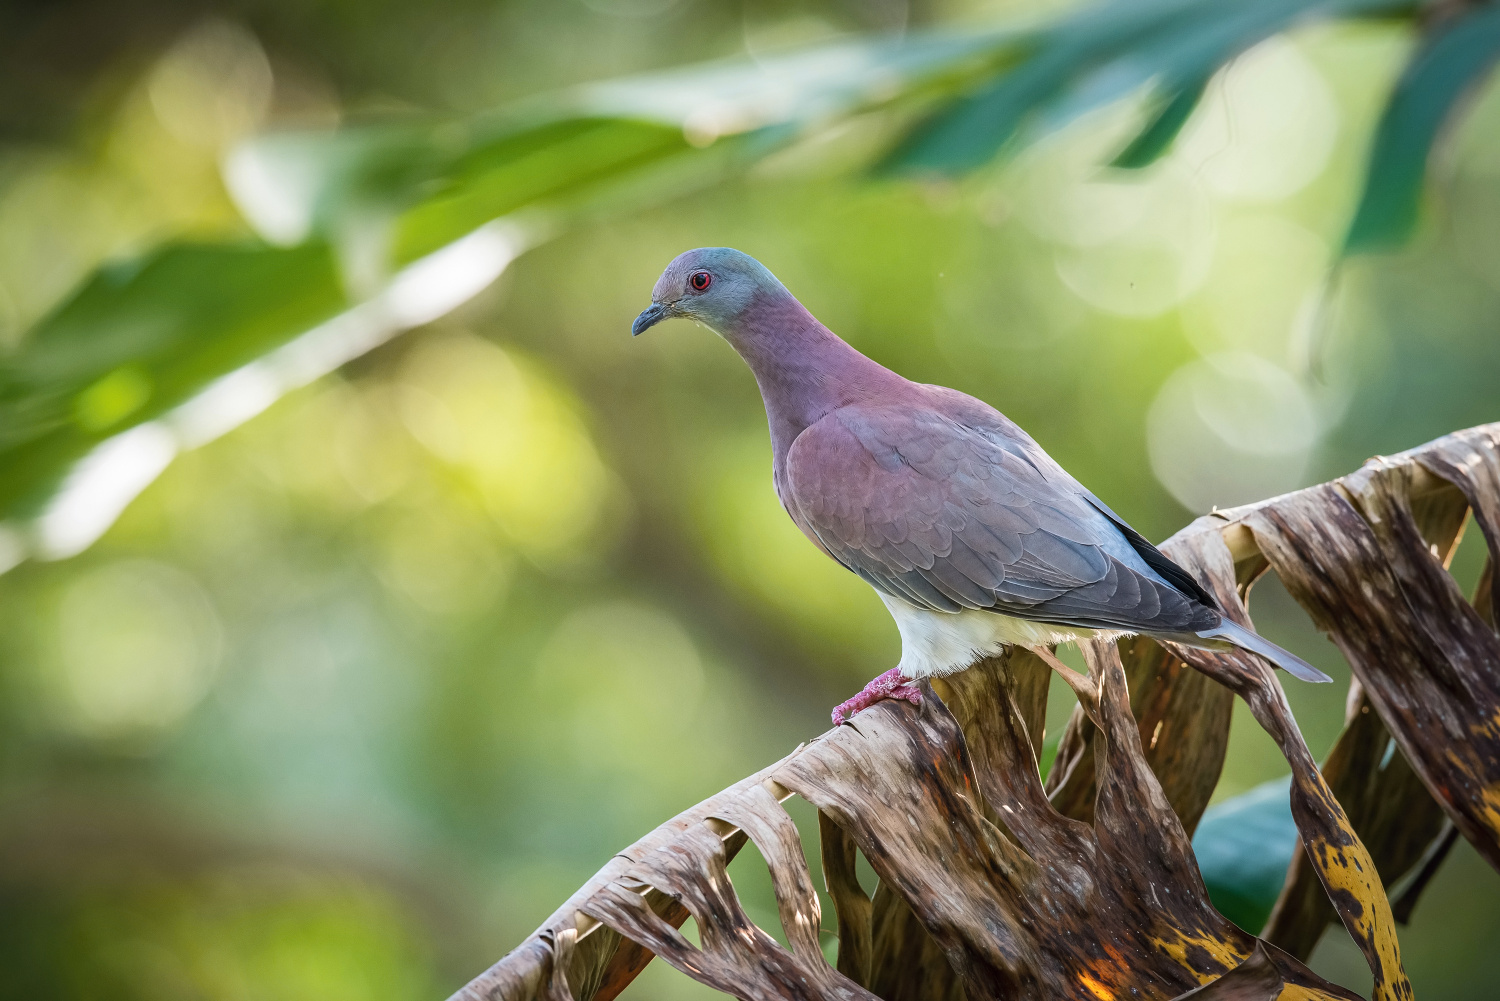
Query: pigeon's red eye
column 700, row 280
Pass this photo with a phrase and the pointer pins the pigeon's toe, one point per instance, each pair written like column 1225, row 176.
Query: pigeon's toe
column 889, row 685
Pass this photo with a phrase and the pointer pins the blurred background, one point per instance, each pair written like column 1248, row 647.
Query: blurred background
column 359, row 689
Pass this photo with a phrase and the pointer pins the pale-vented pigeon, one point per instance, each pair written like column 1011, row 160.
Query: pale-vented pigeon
column 971, row 534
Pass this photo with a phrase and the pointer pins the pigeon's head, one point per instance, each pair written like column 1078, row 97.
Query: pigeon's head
column 713, row 285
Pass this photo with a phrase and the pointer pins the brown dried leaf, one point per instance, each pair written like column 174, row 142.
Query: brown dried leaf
column 1388, row 806
column 1423, row 654
column 1342, row 863
column 1256, row 979
column 602, row 963
column 1395, row 817
column 1470, row 460
column 1070, row 911
column 1183, row 717
column 1066, row 910
column 736, row 957
column 909, row 965
column 851, row 904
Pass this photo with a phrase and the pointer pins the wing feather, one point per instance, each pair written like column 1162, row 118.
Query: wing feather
column 946, row 516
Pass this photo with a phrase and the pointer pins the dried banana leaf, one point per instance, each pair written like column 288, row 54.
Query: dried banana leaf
column 1353, row 555
column 1065, row 910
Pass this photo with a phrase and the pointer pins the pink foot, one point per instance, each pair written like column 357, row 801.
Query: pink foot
column 889, row 685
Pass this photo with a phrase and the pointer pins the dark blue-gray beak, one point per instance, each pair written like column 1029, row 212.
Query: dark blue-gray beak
column 650, row 316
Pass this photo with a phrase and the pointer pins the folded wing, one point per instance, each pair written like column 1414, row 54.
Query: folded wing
column 948, row 516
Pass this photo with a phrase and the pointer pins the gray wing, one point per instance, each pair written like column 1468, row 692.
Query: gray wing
column 947, row 516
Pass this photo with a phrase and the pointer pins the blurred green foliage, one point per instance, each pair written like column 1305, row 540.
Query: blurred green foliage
column 143, row 336
column 353, row 695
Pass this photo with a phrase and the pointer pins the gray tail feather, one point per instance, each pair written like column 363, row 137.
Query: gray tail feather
column 1243, row 638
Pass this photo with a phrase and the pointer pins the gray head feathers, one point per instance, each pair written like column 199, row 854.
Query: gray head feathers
column 717, row 286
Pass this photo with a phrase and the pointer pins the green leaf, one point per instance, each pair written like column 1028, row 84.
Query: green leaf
column 1451, row 61
column 1244, row 846
column 138, row 339
column 1098, row 55
column 494, row 180
column 1157, row 136
column 416, row 186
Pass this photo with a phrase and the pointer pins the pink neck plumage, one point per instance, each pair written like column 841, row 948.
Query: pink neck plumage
column 804, row 370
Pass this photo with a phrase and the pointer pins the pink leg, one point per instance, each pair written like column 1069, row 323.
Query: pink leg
column 889, row 685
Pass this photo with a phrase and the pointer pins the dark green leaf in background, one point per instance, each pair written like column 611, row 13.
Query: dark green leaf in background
column 1156, row 138
column 1101, row 54
column 1451, row 62
column 1244, row 846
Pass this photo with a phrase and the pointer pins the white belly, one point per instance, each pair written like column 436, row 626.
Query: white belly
column 939, row 643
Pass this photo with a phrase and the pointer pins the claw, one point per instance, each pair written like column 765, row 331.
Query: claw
column 889, row 685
